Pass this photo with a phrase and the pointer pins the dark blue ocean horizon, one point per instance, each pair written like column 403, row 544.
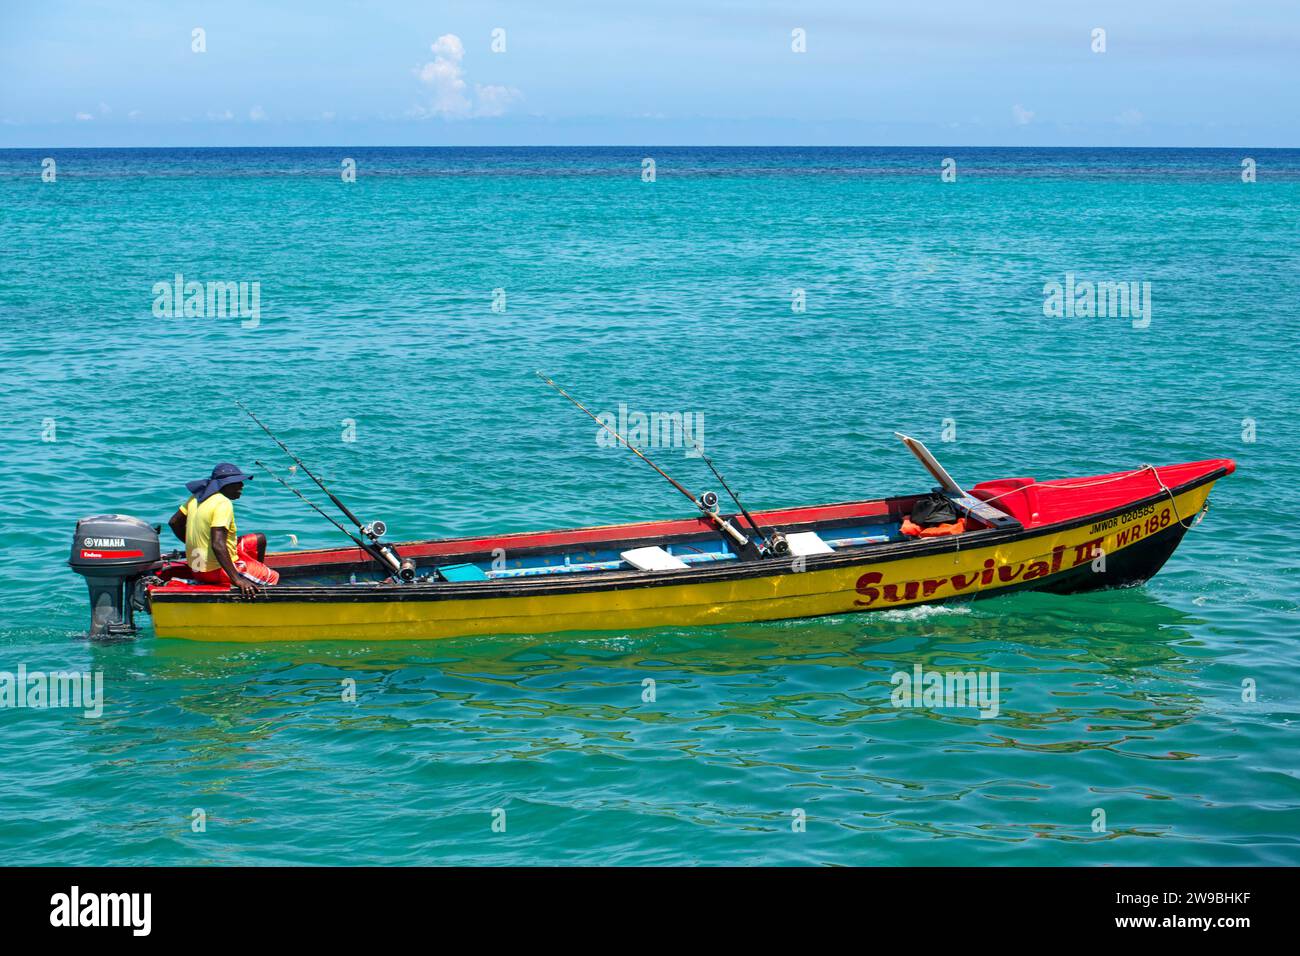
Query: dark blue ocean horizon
column 986, row 161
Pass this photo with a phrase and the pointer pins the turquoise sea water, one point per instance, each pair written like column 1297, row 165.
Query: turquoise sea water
column 924, row 304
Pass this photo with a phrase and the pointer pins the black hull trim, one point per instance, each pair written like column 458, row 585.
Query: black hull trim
column 1134, row 565
column 1128, row 568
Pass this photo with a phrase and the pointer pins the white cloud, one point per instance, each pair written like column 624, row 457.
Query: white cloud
column 83, row 117
column 447, row 77
column 257, row 114
column 452, row 97
column 134, row 114
column 1022, row 116
column 223, row 117
column 1130, row 118
column 493, row 100
column 449, row 45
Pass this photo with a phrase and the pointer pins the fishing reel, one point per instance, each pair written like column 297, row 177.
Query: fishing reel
column 403, row 569
column 777, row 545
column 710, row 501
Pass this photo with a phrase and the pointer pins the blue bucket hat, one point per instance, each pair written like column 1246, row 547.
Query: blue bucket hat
column 224, row 474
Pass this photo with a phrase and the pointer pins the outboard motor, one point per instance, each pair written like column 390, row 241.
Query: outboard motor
column 112, row 552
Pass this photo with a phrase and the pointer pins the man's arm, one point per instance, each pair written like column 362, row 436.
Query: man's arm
column 222, row 551
column 177, row 523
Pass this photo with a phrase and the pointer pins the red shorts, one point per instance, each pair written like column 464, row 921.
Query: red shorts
column 246, row 563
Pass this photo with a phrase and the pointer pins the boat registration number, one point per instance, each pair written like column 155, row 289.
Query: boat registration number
column 1154, row 521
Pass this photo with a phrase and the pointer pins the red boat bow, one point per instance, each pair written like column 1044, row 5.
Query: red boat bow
column 1035, row 503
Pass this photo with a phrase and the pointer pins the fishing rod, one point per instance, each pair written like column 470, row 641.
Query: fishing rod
column 775, row 543
column 367, row 547
column 707, row 503
column 383, row 552
column 315, row 507
column 380, row 529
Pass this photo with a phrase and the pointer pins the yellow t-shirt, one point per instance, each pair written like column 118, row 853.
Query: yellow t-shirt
column 216, row 511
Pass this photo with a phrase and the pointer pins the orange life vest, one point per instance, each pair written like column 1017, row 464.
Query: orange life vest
column 938, row 531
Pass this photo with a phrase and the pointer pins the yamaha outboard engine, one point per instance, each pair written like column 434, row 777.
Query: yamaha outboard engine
column 112, row 552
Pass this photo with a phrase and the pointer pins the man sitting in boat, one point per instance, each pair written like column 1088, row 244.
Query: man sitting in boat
column 213, row 550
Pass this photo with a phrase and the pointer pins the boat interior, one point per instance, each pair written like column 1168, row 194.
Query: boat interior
column 645, row 546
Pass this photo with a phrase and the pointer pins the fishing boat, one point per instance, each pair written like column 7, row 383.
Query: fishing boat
column 1013, row 534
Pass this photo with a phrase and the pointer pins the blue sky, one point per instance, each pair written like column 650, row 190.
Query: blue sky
column 82, row 73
